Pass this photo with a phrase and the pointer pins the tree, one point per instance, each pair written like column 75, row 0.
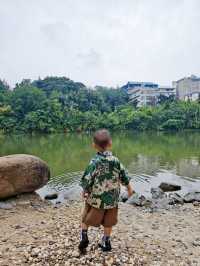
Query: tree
column 61, row 84
column 3, row 85
column 26, row 98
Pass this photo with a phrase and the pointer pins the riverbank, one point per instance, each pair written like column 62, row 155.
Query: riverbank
column 35, row 232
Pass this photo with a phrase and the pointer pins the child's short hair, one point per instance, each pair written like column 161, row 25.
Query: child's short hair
column 102, row 138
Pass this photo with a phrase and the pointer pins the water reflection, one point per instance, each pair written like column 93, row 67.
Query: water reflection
column 150, row 156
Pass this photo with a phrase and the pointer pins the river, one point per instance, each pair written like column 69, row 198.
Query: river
column 150, row 157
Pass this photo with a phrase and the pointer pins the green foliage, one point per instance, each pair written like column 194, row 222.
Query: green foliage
column 3, row 86
column 4, row 92
column 25, row 99
column 58, row 104
column 173, row 124
column 60, row 84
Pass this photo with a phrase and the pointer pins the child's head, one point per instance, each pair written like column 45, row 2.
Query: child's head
column 102, row 140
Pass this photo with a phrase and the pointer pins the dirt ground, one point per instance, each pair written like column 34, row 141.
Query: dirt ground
column 35, row 232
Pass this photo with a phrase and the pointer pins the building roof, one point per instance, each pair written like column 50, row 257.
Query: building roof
column 142, row 83
column 166, row 87
column 192, row 77
column 139, row 84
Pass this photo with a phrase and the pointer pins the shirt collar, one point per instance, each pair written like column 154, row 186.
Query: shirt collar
column 105, row 153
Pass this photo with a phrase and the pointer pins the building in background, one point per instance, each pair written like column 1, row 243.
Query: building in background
column 146, row 93
column 188, row 88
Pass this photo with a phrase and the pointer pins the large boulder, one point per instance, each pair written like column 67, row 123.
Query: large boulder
column 22, row 173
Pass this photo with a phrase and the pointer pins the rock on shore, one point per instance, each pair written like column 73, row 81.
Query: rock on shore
column 169, row 187
column 21, row 173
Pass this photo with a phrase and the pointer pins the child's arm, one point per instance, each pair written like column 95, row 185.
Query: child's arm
column 87, row 180
column 130, row 190
column 125, row 180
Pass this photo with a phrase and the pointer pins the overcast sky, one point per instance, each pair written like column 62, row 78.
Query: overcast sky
column 104, row 42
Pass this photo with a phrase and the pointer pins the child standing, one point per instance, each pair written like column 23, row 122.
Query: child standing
column 101, row 189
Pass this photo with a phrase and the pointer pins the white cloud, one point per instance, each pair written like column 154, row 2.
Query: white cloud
column 100, row 42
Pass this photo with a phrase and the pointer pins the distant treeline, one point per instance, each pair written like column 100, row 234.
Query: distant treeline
column 58, row 104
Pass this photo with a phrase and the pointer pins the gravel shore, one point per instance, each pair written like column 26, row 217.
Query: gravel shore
column 35, row 232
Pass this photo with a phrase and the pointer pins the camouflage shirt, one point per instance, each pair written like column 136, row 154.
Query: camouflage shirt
column 102, row 179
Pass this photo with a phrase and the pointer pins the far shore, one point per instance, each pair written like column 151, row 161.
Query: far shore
column 35, row 232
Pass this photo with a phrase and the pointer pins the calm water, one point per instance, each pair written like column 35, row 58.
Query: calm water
column 149, row 157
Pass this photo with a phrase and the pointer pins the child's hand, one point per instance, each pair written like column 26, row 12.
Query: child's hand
column 130, row 191
column 85, row 195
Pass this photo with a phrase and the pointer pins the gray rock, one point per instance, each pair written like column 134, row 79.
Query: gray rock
column 196, row 242
column 160, row 204
column 147, row 203
column 160, row 200
column 5, row 206
column 139, row 200
column 169, row 187
column 134, row 200
column 51, row 196
column 192, row 197
column 73, row 193
column 123, row 196
column 196, row 204
column 157, row 193
column 175, row 198
column 21, row 173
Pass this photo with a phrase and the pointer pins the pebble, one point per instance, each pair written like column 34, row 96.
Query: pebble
column 6, row 206
column 196, row 242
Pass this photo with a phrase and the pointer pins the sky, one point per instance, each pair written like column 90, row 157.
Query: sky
column 100, row 42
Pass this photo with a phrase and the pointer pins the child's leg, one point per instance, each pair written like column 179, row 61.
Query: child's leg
column 107, row 231
column 93, row 217
column 84, row 226
column 105, row 244
column 84, row 237
column 84, row 230
column 110, row 219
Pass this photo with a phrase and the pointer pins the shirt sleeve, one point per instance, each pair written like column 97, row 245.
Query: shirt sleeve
column 87, row 179
column 123, row 174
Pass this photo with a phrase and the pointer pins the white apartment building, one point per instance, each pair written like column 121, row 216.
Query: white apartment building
column 146, row 93
column 167, row 91
column 188, row 88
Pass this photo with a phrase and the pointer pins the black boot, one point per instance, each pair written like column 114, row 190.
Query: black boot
column 84, row 241
column 105, row 245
